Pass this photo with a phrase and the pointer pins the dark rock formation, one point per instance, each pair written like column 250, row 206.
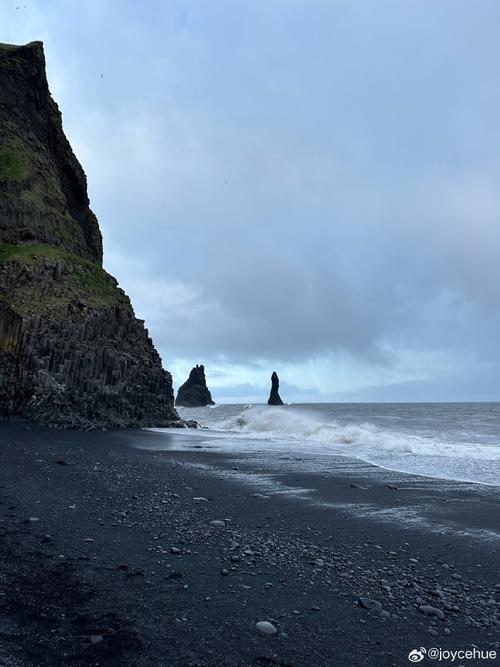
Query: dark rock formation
column 194, row 392
column 274, row 397
column 72, row 352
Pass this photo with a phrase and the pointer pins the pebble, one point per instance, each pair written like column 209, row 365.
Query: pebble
column 224, row 572
column 437, row 593
column 218, row 523
column 200, row 499
column 315, row 608
column 432, row 611
column 368, row 603
column 96, row 639
column 266, row 628
column 175, row 550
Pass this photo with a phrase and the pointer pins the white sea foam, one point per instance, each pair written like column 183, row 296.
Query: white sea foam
column 276, row 424
column 452, row 442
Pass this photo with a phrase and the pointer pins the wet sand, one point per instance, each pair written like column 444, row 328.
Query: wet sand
column 108, row 556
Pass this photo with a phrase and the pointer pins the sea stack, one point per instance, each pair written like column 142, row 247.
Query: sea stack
column 274, row 397
column 72, row 352
column 194, row 392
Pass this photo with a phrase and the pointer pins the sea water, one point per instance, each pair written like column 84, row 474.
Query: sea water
column 459, row 441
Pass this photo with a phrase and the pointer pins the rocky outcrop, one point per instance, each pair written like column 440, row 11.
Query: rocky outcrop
column 274, row 397
column 72, row 352
column 194, row 392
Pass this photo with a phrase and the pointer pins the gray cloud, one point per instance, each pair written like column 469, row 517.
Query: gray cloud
column 306, row 184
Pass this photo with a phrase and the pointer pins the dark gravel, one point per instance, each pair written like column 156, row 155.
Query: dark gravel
column 110, row 555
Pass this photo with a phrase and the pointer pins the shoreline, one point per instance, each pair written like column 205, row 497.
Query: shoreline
column 215, row 434
column 116, row 542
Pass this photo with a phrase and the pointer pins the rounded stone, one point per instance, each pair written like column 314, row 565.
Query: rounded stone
column 266, row 628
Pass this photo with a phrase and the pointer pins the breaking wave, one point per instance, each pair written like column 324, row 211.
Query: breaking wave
column 443, row 441
column 277, row 424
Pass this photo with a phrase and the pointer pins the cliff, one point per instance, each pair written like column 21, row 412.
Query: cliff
column 194, row 393
column 72, row 352
column 274, row 396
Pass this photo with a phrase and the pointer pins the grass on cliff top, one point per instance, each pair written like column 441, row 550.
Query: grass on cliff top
column 32, row 251
column 12, row 47
column 86, row 281
column 8, row 47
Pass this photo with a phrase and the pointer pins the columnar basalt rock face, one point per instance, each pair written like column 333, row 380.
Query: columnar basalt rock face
column 194, row 392
column 274, row 396
column 72, row 352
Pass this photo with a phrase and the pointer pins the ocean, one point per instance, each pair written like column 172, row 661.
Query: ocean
column 457, row 441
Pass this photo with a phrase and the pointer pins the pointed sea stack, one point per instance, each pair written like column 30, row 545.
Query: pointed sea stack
column 274, row 397
column 72, row 352
column 194, row 392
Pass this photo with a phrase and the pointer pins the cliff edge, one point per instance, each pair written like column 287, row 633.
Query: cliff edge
column 72, row 352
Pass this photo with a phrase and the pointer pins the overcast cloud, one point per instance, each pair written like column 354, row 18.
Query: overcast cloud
column 308, row 186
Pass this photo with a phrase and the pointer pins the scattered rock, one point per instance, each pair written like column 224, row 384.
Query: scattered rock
column 432, row 611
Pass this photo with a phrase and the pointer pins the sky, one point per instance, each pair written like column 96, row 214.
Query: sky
column 306, row 186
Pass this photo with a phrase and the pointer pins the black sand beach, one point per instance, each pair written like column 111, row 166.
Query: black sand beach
column 108, row 557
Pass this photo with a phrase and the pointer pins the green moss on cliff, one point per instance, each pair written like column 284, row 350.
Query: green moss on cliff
column 72, row 279
column 30, row 252
column 13, row 162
